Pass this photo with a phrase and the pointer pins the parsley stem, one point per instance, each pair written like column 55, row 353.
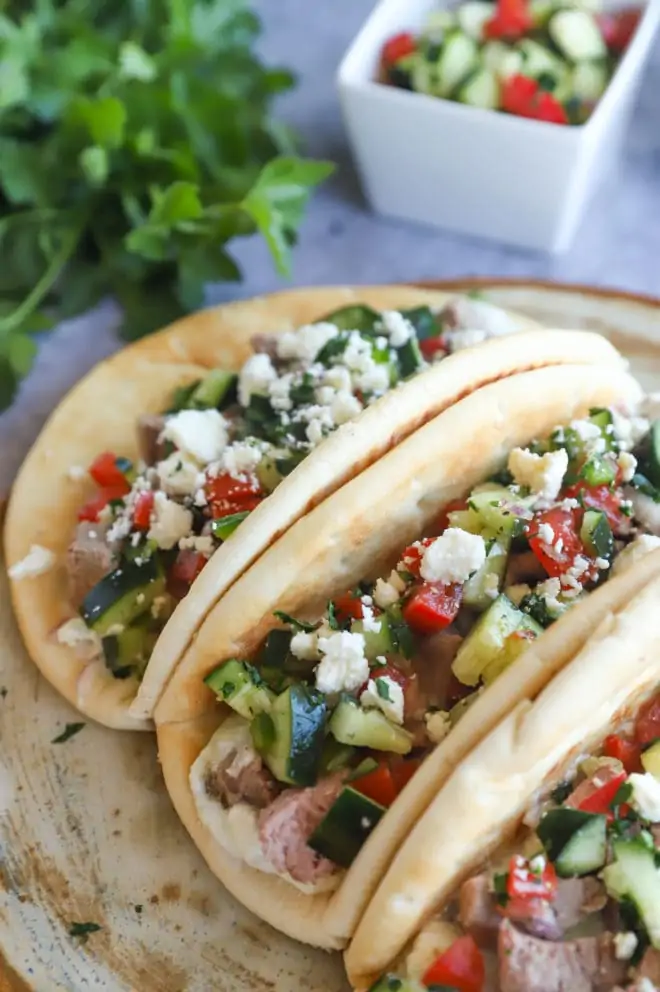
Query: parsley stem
column 45, row 284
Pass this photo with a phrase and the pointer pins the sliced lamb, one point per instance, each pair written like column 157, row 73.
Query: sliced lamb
column 433, row 667
column 535, row 916
column 241, row 777
column 577, row 897
column 649, row 966
column 149, row 429
column 524, row 568
column 88, row 559
column 527, row 964
column 265, row 344
column 287, row 824
column 477, row 910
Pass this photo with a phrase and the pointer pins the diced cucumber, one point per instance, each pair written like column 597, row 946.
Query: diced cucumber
column 424, row 77
column 575, row 841
column 485, row 585
column 542, row 11
column 501, row 59
column 425, row 322
column 376, row 642
column 440, row 21
column 216, row 390
column 410, row 358
column 262, row 731
column 224, row 527
column 350, row 724
column 468, row 520
column 481, row 90
column 602, row 418
column 599, row 471
column 127, row 653
column 236, row 684
column 353, row 318
column 651, row 760
column 596, row 535
column 487, row 640
column 539, row 60
column 346, row 826
column 400, row 633
column 276, row 649
column 589, row 81
column 515, row 645
column 267, row 473
column 299, row 716
column 577, row 35
column 392, row 983
column 335, row 757
column 123, row 595
column 651, row 459
column 634, row 875
column 472, row 15
column 501, row 511
column 460, row 56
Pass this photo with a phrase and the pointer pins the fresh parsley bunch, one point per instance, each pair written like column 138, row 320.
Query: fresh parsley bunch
column 135, row 142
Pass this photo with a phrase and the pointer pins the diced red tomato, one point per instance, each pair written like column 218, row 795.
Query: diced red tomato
column 524, row 97
column 619, row 26
column 443, row 519
column 105, row 473
column 187, row 566
column 92, row 509
column 626, row 751
column 411, row 559
column 228, row 495
column 432, row 607
column 597, row 794
column 558, row 557
column 403, row 770
column 461, row 967
column 144, row 505
column 377, row 785
column 647, row 726
column 430, row 347
column 348, row 607
column 548, row 108
column 599, row 498
column 511, row 20
column 398, row 47
column 523, row 882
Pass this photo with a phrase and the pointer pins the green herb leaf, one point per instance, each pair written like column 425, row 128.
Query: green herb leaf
column 333, row 622
column 70, row 730
column 83, row 929
column 296, row 624
column 383, row 689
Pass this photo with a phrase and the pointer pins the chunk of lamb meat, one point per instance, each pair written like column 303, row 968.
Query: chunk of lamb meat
column 649, row 966
column 88, row 559
column 577, row 898
column 287, row 824
column 241, row 777
column 524, row 568
column 477, row 910
column 265, row 344
column 433, row 667
column 149, row 428
column 527, row 964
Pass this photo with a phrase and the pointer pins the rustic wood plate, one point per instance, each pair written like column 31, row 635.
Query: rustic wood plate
column 87, row 834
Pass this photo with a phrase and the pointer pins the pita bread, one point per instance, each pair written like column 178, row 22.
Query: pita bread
column 489, row 792
column 100, row 414
column 355, row 533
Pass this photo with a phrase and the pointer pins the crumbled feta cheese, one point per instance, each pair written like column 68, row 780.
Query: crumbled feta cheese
column 634, row 552
column 569, row 504
column 385, row 594
column 77, row 472
column 397, row 327
column 543, row 474
column 586, row 430
column 305, row 343
column 201, row 434
column 367, row 375
column 546, row 533
column 438, row 725
column 628, row 430
column 169, row 522
column 453, row 557
column 343, row 667
column 549, row 591
column 645, row 796
column 625, row 945
column 241, row 458
column 279, row 392
column 203, row 544
column 255, row 377
column 121, row 527
column 200, row 498
column 571, row 577
column 460, row 339
column 37, row 561
column 385, row 694
column 369, row 621
column 178, row 476
column 305, row 646
column 627, row 463
column 344, row 407
column 339, row 378
column 602, row 564
column 75, row 633
column 643, row 985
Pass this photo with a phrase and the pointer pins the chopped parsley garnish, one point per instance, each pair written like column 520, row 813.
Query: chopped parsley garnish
column 499, row 888
column 83, row 930
column 70, row 730
column 536, row 607
column 292, row 622
column 333, row 622
column 383, row 689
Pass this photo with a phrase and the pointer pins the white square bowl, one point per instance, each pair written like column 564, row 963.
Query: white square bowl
column 477, row 171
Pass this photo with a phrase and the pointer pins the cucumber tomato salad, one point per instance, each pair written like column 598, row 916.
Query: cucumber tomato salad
column 334, row 716
column 223, row 445
column 542, row 59
column 573, row 905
